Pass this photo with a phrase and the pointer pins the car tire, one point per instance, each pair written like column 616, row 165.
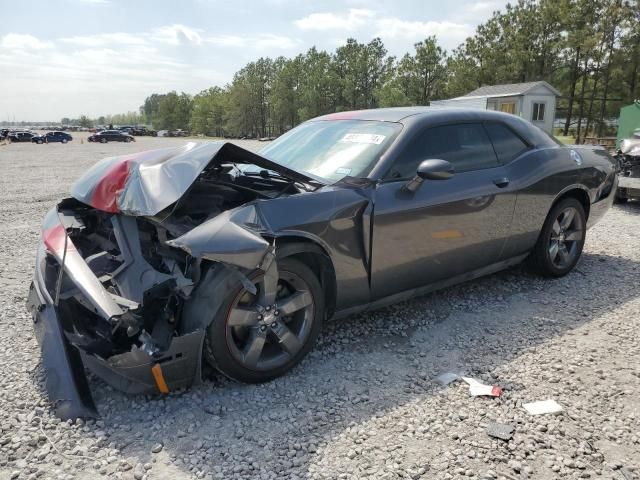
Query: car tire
column 226, row 346
column 39, row 142
column 561, row 240
column 127, row 140
column 64, row 140
column 103, row 140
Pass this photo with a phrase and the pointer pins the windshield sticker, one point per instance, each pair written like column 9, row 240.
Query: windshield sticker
column 343, row 171
column 363, row 138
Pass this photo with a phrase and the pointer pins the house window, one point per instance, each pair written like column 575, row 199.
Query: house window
column 538, row 112
column 509, row 107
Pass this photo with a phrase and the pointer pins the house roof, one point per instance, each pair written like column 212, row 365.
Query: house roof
column 509, row 89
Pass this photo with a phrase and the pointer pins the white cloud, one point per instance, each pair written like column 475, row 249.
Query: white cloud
column 105, row 39
column 20, row 41
column 96, row 2
column 354, row 19
column 264, row 41
column 177, row 35
column 276, row 42
column 445, row 31
column 227, row 40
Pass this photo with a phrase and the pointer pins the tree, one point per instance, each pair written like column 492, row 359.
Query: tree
column 207, row 115
column 85, row 121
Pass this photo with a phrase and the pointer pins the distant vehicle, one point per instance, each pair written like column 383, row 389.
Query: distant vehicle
column 162, row 133
column 111, row 136
column 52, row 137
column 20, row 136
column 4, row 132
column 143, row 131
column 178, row 133
column 628, row 157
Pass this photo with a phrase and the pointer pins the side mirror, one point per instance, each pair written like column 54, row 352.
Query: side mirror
column 433, row 169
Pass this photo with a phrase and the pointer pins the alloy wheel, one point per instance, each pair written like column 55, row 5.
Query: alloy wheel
column 567, row 233
column 266, row 330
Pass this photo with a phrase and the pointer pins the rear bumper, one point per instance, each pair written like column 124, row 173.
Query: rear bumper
column 68, row 338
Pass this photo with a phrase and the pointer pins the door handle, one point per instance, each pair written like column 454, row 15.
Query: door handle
column 501, row 182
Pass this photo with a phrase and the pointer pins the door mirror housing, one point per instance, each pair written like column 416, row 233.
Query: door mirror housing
column 432, row 169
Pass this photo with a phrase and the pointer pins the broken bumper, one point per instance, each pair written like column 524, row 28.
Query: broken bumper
column 66, row 351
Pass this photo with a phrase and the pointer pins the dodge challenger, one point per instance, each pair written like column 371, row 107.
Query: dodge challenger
column 206, row 252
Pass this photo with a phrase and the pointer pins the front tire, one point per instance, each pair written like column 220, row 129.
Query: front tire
column 103, row 140
column 253, row 343
column 561, row 240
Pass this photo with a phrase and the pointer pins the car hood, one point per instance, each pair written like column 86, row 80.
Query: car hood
column 145, row 183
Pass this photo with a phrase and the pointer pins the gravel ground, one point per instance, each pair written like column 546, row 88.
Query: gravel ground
column 364, row 404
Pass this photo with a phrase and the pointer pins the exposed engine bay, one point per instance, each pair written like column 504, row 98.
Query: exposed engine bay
column 628, row 157
column 119, row 282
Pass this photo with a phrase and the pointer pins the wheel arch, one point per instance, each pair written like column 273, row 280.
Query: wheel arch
column 316, row 257
column 578, row 192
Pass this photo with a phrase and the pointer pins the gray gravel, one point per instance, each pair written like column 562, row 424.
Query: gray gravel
column 365, row 403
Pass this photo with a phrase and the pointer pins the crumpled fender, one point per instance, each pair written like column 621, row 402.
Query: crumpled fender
column 233, row 237
column 66, row 382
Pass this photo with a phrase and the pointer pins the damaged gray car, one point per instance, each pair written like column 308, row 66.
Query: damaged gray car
column 162, row 260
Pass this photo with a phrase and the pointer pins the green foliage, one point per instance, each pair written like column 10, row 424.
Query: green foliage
column 587, row 49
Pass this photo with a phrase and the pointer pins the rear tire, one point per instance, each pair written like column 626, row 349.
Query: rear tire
column 561, row 240
column 284, row 339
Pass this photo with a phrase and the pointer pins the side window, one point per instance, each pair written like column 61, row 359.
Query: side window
column 506, row 143
column 465, row 145
column 537, row 112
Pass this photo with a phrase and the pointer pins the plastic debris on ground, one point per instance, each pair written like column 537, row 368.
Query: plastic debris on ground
column 476, row 388
column 542, row 407
column 503, row 431
column 446, row 378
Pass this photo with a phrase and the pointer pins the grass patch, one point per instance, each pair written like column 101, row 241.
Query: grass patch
column 567, row 140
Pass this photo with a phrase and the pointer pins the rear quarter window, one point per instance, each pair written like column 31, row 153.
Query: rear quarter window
column 507, row 144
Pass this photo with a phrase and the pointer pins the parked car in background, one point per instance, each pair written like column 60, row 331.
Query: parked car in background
column 111, row 136
column 210, row 252
column 628, row 156
column 162, row 133
column 52, row 137
column 20, row 136
column 178, row 133
column 143, row 131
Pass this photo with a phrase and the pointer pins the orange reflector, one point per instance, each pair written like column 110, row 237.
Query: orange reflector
column 159, row 377
column 445, row 234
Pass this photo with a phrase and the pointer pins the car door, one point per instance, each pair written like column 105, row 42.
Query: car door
column 446, row 227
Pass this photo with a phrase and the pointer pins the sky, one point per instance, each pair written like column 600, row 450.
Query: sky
column 67, row 58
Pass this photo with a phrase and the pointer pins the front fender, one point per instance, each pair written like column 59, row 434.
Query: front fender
column 234, row 237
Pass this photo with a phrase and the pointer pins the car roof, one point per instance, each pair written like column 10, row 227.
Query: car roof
column 403, row 114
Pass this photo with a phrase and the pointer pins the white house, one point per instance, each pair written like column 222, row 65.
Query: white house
column 533, row 101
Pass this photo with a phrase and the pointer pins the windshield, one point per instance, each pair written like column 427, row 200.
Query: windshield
column 333, row 149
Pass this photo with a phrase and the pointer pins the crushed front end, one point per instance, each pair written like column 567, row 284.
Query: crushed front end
column 105, row 298
column 117, row 264
column 628, row 157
